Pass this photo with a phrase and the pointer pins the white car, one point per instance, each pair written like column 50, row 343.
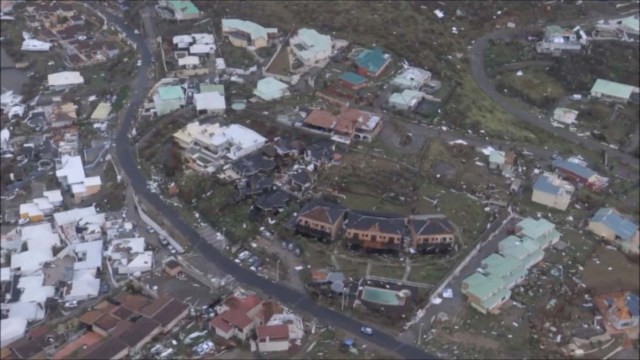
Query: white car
column 71, row 304
column 171, row 249
column 366, row 330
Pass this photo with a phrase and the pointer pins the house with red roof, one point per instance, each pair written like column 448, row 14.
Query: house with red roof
column 273, row 338
column 237, row 316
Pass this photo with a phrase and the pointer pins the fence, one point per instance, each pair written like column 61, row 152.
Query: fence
column 502, row 219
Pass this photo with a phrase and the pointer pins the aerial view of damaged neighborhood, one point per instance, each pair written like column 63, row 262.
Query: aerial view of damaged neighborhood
column 319, row 179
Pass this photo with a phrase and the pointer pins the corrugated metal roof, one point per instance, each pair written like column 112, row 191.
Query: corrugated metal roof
column 170, row 92
column 482, row 286
column 353, row 78
column 500, row 266
column 622, row 227
column 574, row 168
column 610, row 88
column 544, row 184
column 372, row 60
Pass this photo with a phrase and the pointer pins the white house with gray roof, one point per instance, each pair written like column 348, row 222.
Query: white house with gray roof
column 243, row 33
column 311, row 47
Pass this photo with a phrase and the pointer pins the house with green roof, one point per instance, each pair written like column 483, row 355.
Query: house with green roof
column 486, row 293
column 541, row 231
column 507, row 268
column 612, row 91
column 631, row 25
column 182, row 9
column 269, row 89
column 526, row 251
column 372, row 62
column 207, row 88
column 168, row 99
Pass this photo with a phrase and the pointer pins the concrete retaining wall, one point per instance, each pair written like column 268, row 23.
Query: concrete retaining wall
column 147, row 220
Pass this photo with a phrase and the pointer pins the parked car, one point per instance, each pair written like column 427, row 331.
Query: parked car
column 576, row 97
column 164, row 241
column 71, row 304
column 366, row 330
column 171, row 249
column 285, row 244
column 252, row 260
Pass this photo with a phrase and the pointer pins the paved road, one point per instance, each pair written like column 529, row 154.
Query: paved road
column 288, row 296
column 479, row 74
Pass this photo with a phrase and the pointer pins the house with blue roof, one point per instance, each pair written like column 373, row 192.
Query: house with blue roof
column 551, row 191
column 580, row 174
column 372, row 62
column 612, row 226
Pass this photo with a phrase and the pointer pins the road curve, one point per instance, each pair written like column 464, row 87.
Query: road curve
column 295, row 299
column 478, row 71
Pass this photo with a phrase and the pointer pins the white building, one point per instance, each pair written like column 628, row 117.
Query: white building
column 35, row 45
column 311, row 47
column 12, row 329
column 39, row 240
column 269, row 89
column 88, row 219
column 411, row 78
column 209, row 103
column 244, row 33
column 189, row 62
column 88, row 256
column 70, row 173
column 238, row 141
column 208, row 146
column 128, row 256
column 64, row 80
column 84, row 286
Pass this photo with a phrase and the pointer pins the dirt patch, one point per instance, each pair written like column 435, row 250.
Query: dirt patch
column 609, row 270
column 469, row 340
column 280, row 64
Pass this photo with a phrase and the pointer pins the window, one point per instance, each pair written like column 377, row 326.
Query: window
column 306, row 222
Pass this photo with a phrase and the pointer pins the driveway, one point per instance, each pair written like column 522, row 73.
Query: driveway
column 479, row 74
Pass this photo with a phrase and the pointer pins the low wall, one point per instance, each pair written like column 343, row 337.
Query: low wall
column 147, row 220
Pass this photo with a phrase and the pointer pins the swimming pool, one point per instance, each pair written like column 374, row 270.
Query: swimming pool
column 382, row 296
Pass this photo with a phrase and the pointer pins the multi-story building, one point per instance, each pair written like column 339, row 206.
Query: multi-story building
column 431, row 233
column 321, row 219
column 374, row 231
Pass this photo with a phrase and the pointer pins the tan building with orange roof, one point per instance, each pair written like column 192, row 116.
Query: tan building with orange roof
column 349, row 124
column 620, row 310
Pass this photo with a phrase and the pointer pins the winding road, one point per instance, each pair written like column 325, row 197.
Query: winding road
column 478, row 71
column 290, row 297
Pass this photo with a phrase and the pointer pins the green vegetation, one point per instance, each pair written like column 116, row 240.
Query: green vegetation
column 469, row 108
column 123, row 94
column 237, row 57
column 609, row 60
column 504, row 52
column 534, row 86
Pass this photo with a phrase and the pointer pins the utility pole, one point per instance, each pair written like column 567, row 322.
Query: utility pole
column 420, row 334
column 278, row 270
